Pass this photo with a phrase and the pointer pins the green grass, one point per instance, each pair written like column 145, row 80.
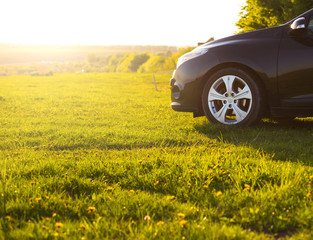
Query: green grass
column 103, row 156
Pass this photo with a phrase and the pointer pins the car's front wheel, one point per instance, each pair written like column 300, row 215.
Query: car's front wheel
column 232, row 96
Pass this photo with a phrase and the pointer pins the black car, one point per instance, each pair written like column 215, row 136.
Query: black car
column 242, row 78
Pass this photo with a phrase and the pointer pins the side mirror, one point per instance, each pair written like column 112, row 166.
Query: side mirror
column 299, row 23
column 298, row 26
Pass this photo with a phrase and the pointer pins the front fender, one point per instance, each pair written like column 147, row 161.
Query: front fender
column 187, row 80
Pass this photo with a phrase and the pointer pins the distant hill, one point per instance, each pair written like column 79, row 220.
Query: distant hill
column 18, row 53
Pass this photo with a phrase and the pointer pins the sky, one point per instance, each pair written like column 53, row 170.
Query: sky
column 117, row 22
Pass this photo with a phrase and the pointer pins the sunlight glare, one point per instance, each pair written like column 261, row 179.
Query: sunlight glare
column 118, row 22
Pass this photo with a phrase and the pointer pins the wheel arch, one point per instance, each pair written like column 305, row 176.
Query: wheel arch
column 242, row 67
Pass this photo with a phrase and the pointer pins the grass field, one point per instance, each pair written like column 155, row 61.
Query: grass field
column 103, row 156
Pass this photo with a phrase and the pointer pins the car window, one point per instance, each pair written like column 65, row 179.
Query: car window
column 310, row 27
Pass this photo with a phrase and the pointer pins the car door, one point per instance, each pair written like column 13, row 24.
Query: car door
column 295, row 69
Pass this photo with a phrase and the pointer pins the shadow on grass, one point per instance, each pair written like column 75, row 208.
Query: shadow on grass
column 121, row 146
column 286, row 141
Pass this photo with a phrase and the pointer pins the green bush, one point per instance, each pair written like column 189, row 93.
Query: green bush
column 114, row 61
column 154, row 64
column 132, row 62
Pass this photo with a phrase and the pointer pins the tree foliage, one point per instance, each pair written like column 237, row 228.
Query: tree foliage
column 257, row 14
column 132, row 62
column 154, row 64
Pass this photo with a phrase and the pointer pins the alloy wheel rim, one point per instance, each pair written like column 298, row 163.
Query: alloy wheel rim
column 230, row 99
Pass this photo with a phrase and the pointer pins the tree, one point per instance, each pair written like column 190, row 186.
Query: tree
column 154, row 64
column 137, row 61
column 132, row 62
column 257, row 14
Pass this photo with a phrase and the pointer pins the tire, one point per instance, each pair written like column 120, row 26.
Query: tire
column 231, row 96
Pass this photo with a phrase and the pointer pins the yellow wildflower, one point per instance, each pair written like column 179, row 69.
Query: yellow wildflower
column 44, row 227
column 110, row 189
column 308, row 195
column 219, row 194
column 132, row 191
column 181, row 215
column 183, row 223
column 38, row 199
column 54, row 215
column 81, row 227
column 156, row 183
column 205, row 186
column 160, row 223
column 247, row 187
column 311, row 177
column 170, row 197
column 91, row 210
column 59, row 225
